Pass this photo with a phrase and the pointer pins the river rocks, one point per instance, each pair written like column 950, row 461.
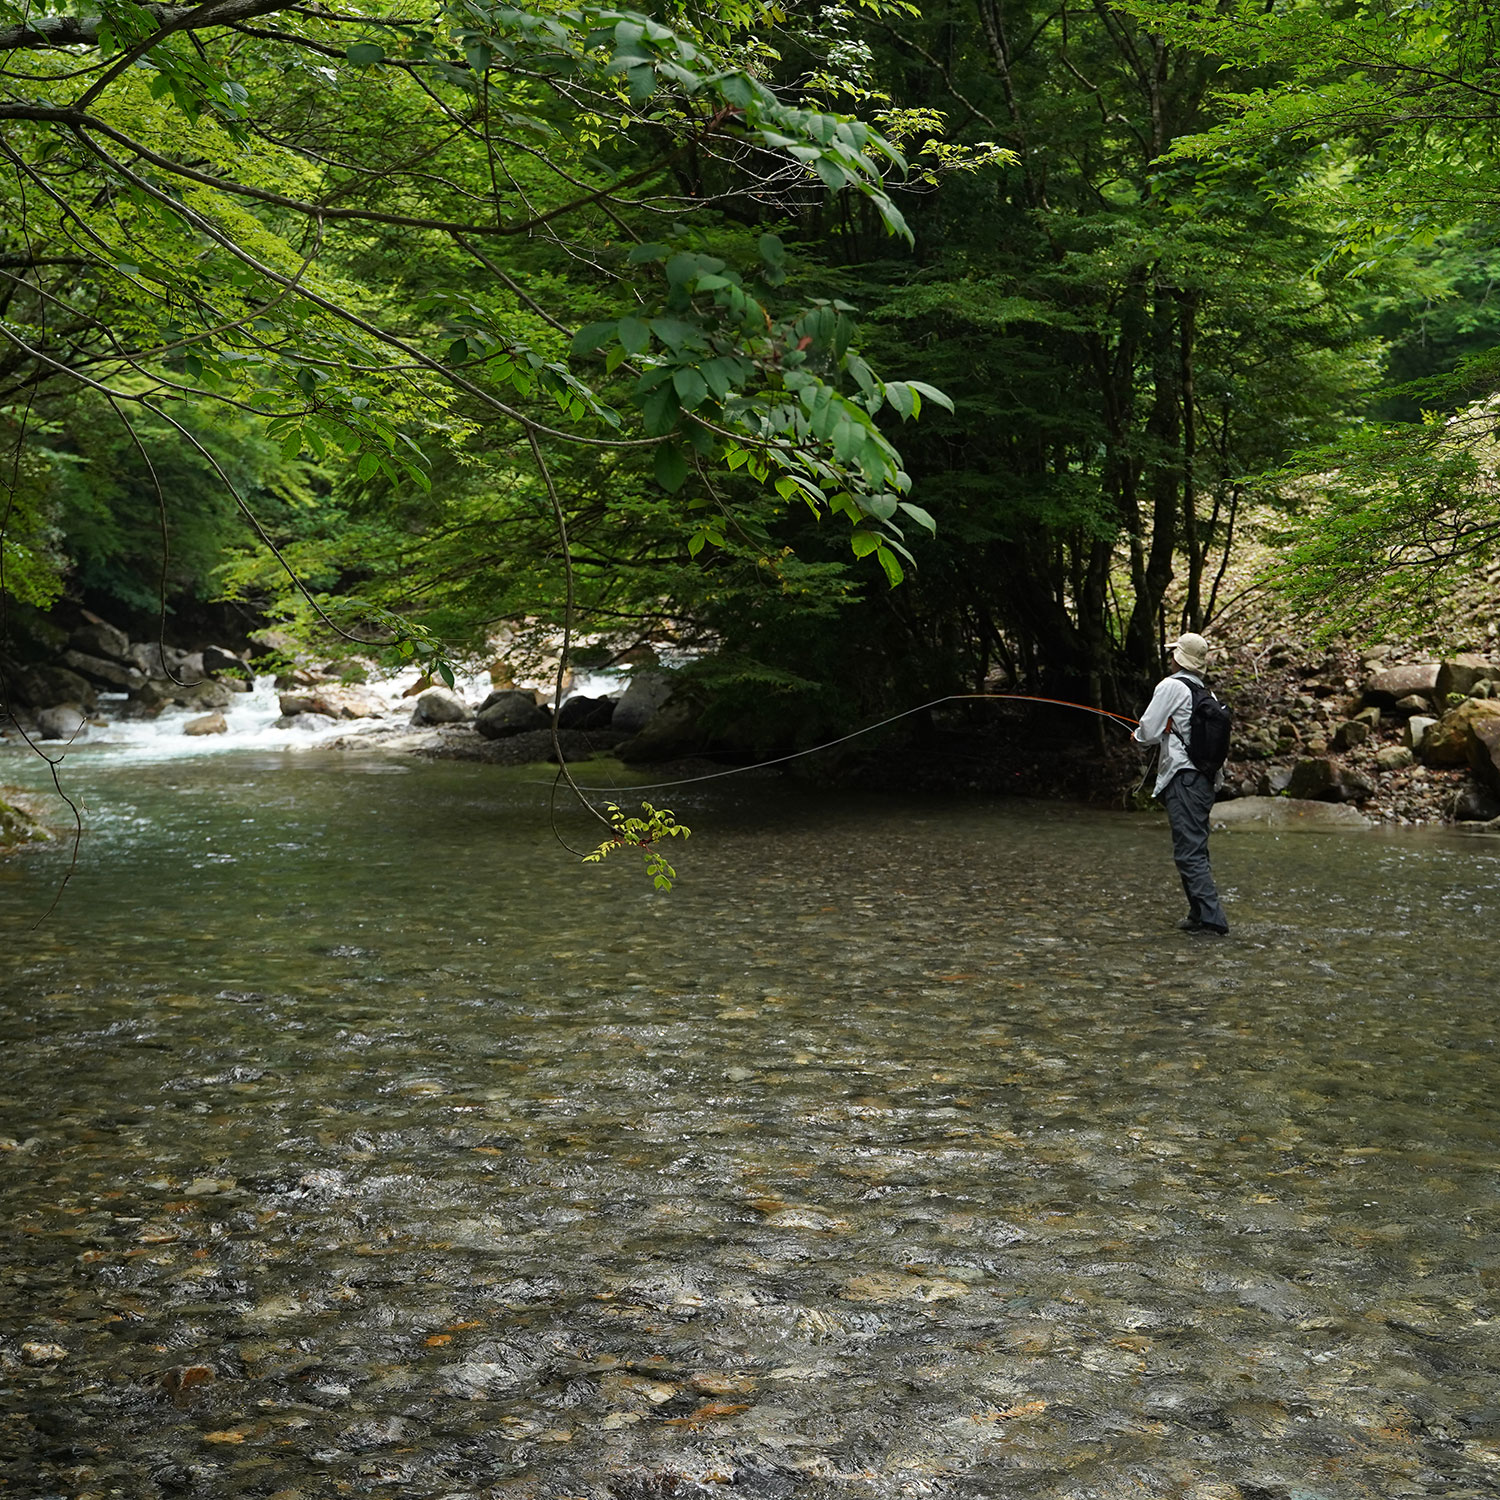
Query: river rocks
column 219, row 661
column 64, row 722
column 673, row 732
column 1461, row 675
column 1483, row 746
column 155, row 660
column 1354, row 785
column 1314, row 778
column 43, row 1354
column 507, row 712
column 308, row 722
column 204, row 694
column 109, row 674
column 1387, row 688
column 182, row 1378
column 1416, row 731
column 45, row 686
column 1286, row 812
column 646, row 694
column 586, row 713
column 19, row 824
column 95, row 638
column 1394, row 758
column 1446, row 743
column 440, row 706
column 1351, row 733
column 1413, row 705
column 333, row 703
column 1319, row 779
column 213, row 723
column 1476, row 804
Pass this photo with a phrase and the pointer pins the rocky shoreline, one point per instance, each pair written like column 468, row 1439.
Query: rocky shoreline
column 1404, row 736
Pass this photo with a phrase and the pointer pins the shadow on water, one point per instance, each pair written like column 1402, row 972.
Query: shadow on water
column 361, row 1142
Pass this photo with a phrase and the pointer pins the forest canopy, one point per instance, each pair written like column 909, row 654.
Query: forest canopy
column 408, row 322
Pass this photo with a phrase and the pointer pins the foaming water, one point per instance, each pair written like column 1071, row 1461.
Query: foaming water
column 253, row 722
column 363, row 1142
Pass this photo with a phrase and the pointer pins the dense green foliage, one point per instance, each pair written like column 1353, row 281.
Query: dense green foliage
column 1401, row 102
column 376, row 237
column 541, row 312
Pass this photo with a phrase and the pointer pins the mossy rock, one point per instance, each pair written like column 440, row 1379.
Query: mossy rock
column 18, row 826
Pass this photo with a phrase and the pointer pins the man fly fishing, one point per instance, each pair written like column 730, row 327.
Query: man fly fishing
column 1190, row 728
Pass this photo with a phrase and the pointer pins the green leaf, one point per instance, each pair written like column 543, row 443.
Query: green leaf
column 674, row 333
column 660, row 411
column 919, row 515
column 691, row 386
column 932, row 393
column 642, row 84
column 368, row 466
column 589, row 338
column 365, row 54
column 670, row 466
column 635, row 334
column 640, row 254
column 901, row 397
column 893, row 570
column 864, row 543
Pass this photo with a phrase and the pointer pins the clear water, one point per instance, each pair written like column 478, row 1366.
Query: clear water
column 362, row 1142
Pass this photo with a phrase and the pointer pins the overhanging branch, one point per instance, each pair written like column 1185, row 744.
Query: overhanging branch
column 83, row 30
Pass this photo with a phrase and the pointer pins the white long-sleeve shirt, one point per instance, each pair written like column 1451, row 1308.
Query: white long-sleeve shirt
column 1165, row 723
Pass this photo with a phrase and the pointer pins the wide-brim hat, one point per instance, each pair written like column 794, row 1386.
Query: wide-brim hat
column 1189, row 651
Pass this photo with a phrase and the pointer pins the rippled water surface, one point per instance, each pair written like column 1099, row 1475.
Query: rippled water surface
column 361, row 1142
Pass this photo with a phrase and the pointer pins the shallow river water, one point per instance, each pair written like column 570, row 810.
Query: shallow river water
column 362, row 1142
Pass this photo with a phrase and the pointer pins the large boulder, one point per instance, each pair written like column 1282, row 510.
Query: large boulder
column 19, row 820
column 1286, row 812
column 213, row 723
column 672, row 732
column 45, row 686
column 508, row 712
column 219, row 661
column 1446, row 743
column 1416, row 731
column 1483, row 747
column 308, row 722
column 64, row 722
column 1388, row 687
column 109, row 674
column 334, row 703
column 155, row 660
column 586, row 713
column 1317, row 779
column 440, row 706
column 1476, row 804
column 95, row 638
column 646, row 694
column 204, row 694
column 1314, row 780
column 1461, row 675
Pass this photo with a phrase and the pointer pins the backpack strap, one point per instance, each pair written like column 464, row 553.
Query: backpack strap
column 1194, row 688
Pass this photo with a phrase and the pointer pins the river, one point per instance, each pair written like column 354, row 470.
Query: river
column 360, row 1140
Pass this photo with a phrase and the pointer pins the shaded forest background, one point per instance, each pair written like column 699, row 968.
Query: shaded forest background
column 1170, row 264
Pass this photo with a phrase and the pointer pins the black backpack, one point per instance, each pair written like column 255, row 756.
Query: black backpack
column 1209, row 726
